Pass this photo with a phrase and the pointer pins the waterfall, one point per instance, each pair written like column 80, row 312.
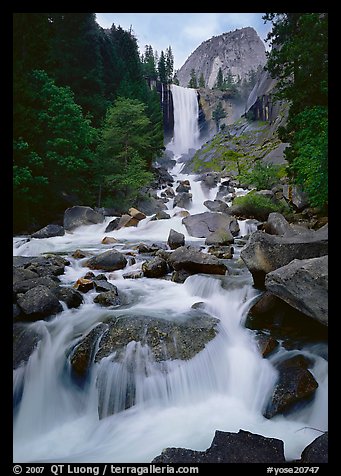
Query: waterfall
column 186, row 120
column 130, row 409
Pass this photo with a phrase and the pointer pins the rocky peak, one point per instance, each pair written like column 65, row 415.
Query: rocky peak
column 237, row 53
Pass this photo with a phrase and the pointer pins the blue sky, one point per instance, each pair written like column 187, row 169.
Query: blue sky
column 182, row 31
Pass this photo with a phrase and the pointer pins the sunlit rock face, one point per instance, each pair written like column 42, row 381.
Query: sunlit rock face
column 236, row 52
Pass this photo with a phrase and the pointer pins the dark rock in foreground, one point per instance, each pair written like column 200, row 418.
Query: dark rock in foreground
column 38, row 303
column 155, row 268
column 295, row 384
column 317, row 451
column 175, row 239
column 241, row 447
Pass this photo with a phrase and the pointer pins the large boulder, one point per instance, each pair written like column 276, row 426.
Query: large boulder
column 264, row 253
column 182, row 200
column 193, row 261
column 202, row 224
column 166, row 339
column 38, row 303
column 110, row 260
column 295, row 384
column 217, row 206
column 49, row 231
column 25, row 340
column 220, row 237
column 27, row 284
column 303, row 284
column 317, row 451
column 241, row 447
column 78, row 215
column 51, row 265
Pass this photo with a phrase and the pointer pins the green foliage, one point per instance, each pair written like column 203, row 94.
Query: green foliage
column 126, row 144
column 309, row 153
column 162, row 68
column 257, row 206
column 299, row 59
column 53, row 152
column 218, row 114
column 202, row 81
column 193, row 82
column 262, row 175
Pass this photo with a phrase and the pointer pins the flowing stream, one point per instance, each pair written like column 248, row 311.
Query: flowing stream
column 178, row 403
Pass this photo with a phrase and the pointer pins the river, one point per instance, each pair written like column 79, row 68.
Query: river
column 178, row 403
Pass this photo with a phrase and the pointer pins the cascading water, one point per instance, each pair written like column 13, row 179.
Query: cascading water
column 145, row 404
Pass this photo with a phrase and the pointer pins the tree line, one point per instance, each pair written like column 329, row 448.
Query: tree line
column 86, row 125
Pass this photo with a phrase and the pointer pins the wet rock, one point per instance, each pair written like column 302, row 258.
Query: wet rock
column 27, row 284
column 266, row 344
column 22, row 274
column 84, row 285
column 184, row 186
column 303, row 284
column 241, row 447
column 79, row 254
column 162, row 215
column 216, row 206
column 143, row 248
column 49, row 231
column 127, row 220
column 136, row 214
column 295, row 384
column 182, row 213
column 180, row 276
column 295, row 196
column 264, row 253
column 82, row 355
column 221, row 252
column 70, row 296
column 51, row 265
column 317, row 451
column 175, row 239
column 151, row 205
column 219, row 237
column 110, row 260
column 133, row 275
column 166, row 339
column 108, row 298
column 201, row 225
column 155, row 268
column 113, row 225
column 77, row 216
column 108, row 240
column 183, row 200
column 276, row 224
column 101, row 285
column 25, row 340
column 193, row 261
column 38, row 303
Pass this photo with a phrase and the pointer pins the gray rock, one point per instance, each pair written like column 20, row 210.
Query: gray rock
column 108, row 298
column 162, row 215
column 112, row 225
column 39, row 303
column 296, row 196
column 110, row 260
column 49, row 231
column 241, row 447
column 317, row 451
column 175, row 239
column 27, row 284
column 216, row 206
column 264, row 253
column 70, row 296
column 219, row 237
column 276, row 224
column 201, row 225
column 182, row 200
column 77, row 216
column 221, row 252
column 151, row 205
column 25, row 340
column 101, row 285
column 51, row 265
column 155, row 268
column 304, row 285
column 193, row 261
column 237, row 52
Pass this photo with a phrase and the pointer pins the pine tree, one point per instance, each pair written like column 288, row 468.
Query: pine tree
column 220, row 80
column 193, row 83
column 202, row 81
column 169, row 64
column 162, row 68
